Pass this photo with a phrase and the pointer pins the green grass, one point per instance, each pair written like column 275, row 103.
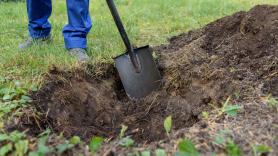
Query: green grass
column 147, row 22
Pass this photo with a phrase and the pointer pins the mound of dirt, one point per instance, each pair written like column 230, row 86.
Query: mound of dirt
column 234, row 56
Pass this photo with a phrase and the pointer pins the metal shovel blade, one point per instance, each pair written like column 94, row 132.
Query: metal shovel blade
column 138, row 84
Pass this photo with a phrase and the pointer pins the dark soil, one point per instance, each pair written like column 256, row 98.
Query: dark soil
column 87, row 103
column 234, row 56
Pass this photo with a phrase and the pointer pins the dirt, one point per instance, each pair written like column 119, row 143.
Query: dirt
column 234, row 56
column 87, row 103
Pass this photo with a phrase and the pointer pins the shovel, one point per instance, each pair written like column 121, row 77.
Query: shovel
column 136, row 67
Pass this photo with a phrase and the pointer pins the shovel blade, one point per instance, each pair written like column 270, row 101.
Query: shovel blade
column 138, row 84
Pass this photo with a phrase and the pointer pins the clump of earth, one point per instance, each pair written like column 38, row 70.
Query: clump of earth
column 235, row 56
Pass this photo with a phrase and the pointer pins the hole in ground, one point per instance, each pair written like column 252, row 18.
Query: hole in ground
column 91, row 103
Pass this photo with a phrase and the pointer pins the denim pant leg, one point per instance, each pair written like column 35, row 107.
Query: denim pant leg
column 79, row 24
column 38, row 13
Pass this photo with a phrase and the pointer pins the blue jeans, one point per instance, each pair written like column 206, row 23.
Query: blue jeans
column 75, row 32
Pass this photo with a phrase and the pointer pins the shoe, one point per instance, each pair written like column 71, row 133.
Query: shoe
column 79, row 53
column 29, row 42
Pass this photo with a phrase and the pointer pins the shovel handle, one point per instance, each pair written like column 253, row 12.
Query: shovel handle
column 123, row 33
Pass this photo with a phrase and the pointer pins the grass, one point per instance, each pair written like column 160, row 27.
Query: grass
column 147, row 22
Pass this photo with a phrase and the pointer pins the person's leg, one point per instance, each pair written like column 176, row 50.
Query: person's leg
column 38, row 13
column 79, row 24
column 39, row 28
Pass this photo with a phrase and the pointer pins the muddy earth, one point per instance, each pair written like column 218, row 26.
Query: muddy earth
column 235, row 56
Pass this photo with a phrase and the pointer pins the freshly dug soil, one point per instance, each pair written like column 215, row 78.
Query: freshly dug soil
column 89, row 103
column 234, row 56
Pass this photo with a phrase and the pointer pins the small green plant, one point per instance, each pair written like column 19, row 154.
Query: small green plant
column 186, row 148
column 75, row 140
column 259, row 150
column 12, row 92
column 205, row 115
column 232, row 149
column 221, row 137
column 15, row 142
column 229, row 109
column 61, row 148
column 145, row 153
column 224, row 141
column 168, row 125
column 95, row 144
column 12, row 97
column 21, row 147
column 42, row 148
column 2, row 79
column 68, row 144
column 123, row 130
column 160, row 152
column 4, row 150
column 126, row 142
column 272, row 102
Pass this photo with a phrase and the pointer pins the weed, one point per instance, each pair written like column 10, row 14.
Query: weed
column 221, row 137
column 232, row 149
column 228, row 108
column 75, row 140
column 231, row 110
column 145, row 153
column 123, row 130
column 259, row 150
column 2, row 80
column 126, row 142
column 12, row 92
column 272, row 102
column 43, row 149
column 4, row 150
column 67, row 144
column 14, row 142
column 205, row 115
column 95, row 144
column 224, row 141
column 61, row 148
column 13, row 97
column 186, row 148
column 168, row 125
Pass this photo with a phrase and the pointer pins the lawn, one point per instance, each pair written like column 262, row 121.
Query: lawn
column 147, row 22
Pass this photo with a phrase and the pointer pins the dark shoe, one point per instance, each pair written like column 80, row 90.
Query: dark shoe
column 79, row 53
column 29, row 42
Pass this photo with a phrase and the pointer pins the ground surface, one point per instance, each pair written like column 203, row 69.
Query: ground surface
column 235, row 56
